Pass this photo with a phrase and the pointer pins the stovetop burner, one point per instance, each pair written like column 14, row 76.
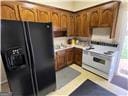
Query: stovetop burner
column 109, row 52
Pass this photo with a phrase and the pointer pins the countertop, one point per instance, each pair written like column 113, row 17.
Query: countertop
column 98, row 49
column 101, row 49
column 71, row 46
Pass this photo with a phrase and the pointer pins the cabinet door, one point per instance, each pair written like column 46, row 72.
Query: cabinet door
column 28, row 14
column 61, row 60
column 9, row 11
column 94, row 17
column 78, row 56
column 85, row 25
column 78, row 59
column 56, row 67
column 69, row 56
column 55, row 17
column 78, row 25
column 43, row 15
column 106, row 15
column 64, row 21
column 71, row 25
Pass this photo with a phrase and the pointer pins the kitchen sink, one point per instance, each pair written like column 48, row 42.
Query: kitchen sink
column 90, row 48
column 62, row 46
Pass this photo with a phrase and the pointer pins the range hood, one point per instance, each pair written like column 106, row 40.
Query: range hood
column 101, row 34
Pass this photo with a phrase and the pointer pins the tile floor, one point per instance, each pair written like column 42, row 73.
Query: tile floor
column 71, row 86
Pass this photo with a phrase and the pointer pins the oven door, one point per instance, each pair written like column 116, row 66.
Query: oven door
column 100, row 62
column 87, row 58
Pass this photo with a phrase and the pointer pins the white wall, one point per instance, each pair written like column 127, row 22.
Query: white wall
column 63, row 4
column 122, row 21
column 82, row 4
column 2, row 72
column 121, row 29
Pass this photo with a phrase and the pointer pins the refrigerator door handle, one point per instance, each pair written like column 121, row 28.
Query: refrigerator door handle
column 30, row 55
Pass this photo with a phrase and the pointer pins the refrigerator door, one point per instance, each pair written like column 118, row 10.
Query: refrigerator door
column 15, row 58
column 43, row 56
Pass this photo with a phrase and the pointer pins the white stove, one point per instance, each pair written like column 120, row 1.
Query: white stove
column 103, row 50
column 100, row 60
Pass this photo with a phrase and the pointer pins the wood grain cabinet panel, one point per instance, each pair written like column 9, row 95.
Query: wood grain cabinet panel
column 64, row 21
column 55, row 61
column 55, row 18
column 69, row 56
column 9, row 11
column 78, row 25
column 61, row 59
column 44, row 15
column 27, row 14
column 85, row 25
column 106, row 15
column 71, row 25
column 94, row 17
column 78, row 56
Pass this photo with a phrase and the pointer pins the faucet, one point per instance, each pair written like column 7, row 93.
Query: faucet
column 63, row 45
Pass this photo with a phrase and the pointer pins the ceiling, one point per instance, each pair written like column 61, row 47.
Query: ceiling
column 72, row 5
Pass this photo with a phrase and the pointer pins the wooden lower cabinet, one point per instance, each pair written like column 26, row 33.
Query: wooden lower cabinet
column 55, row 62
column 78, row 56
column 60, row 59
column 69, row 56
column 66, row 57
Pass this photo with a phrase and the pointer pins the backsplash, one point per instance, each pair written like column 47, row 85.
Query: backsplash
column 63, row 41
column 60, row 40
column 84, row 41
column 101, row 34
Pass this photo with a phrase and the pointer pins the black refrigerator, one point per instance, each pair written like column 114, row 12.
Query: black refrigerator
column 28, row 57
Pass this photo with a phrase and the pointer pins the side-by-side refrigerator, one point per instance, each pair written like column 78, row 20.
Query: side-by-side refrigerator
column 28, row 57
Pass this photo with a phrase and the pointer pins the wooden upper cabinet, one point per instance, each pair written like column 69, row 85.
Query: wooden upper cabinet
column 64, row 21
column 9, row 11
column 78, row 25
column 94, row 16
column 85, row 24
column 71, row 25
column 55, row 18
column 43, row 15
column 106, row 15
column 27, row 13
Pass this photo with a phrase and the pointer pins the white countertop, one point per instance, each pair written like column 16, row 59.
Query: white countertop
column 71, row 46
column 98, row 49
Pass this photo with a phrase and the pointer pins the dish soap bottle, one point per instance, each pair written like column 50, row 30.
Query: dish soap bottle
column 73, row 41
